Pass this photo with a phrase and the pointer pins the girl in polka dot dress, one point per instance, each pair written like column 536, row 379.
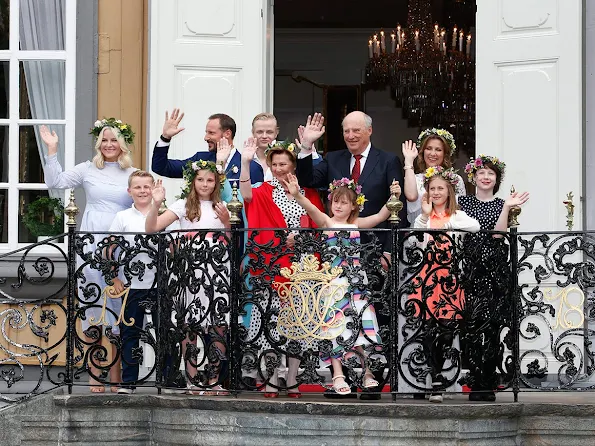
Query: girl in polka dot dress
column 485, row 264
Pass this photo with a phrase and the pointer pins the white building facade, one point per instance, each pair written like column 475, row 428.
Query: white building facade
column 530, row 86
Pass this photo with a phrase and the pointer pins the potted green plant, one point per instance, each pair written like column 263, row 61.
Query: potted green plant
column 44, row 217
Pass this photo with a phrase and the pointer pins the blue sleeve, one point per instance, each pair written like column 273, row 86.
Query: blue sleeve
column 162, row 165
column 256, row 173
column 226, row 192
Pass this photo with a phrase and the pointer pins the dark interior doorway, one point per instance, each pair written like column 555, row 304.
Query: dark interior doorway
column 320, row 60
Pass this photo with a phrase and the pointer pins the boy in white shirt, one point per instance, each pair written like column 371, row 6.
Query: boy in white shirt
column 143, row 289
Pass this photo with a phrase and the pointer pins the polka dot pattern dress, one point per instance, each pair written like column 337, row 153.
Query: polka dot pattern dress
column 484, row 254
column 291, row 210
column 292, row 213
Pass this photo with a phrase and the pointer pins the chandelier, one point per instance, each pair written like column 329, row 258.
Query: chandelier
column 431, row 72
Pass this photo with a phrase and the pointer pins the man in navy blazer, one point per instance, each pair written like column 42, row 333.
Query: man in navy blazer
column 378, row 168
column 220, row 129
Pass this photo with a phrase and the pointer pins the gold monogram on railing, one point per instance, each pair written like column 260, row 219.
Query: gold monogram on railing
column 110, row 292
column 307, row 301
column 566, row 307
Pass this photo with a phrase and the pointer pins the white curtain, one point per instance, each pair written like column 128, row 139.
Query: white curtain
column 42, row 27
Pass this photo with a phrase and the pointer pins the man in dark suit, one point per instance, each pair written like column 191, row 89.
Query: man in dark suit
column 370, row 167
column 219, row 133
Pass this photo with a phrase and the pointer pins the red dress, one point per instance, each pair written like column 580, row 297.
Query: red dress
column 445, row 298
column 262, row 212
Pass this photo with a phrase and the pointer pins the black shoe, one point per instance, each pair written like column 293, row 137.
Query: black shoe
column 248, row 383
column 482, row 396
column 127, row 390
column 331, row 394
column 475, row 396
column 489, row 396
column 367, row 395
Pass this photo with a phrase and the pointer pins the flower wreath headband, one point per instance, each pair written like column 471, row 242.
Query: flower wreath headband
column 449, row 175
column 450, row 140
column 479, row 163
column 349, row 184
column 124, row 129
column 285, row 145
column 191, row 170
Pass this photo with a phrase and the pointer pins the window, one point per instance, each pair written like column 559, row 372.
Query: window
column 37, row 86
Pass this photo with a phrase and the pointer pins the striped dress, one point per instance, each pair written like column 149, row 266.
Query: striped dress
column 348, row 295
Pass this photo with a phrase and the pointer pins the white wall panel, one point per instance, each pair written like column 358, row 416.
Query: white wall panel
column 529, row 102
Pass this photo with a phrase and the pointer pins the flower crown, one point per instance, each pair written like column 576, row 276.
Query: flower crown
column 478, row 163
column 285, row 145
column 124, row 129
column 191, row 170
column 450, row 140
column 349, row 184
column 449, row 175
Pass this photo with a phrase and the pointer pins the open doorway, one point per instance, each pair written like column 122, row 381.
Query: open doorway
column 320, row 65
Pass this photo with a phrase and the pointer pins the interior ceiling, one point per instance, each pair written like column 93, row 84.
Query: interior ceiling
column 361, row 14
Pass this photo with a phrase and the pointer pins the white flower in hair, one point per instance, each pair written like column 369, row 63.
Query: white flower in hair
column 118, row 121
column 219, row 169
column 195, row 165
column 97, row 123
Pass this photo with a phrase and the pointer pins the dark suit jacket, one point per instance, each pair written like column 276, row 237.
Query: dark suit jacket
column 378, row 174
column 166, row 167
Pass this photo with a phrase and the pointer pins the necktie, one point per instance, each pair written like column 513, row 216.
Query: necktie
column 356, row 171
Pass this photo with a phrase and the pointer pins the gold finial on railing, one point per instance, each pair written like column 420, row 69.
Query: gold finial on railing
column 513, row 213
column 235, row 206
column 71, row 210
column 394, row 206
column 569, row 210
column 162, row 208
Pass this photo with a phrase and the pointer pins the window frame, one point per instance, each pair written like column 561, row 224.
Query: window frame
column 14, row 55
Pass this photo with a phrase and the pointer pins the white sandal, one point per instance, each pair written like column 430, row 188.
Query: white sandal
column 339, row 383
column 369, row 381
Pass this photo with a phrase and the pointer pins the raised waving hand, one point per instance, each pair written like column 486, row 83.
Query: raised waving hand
column 171, row 126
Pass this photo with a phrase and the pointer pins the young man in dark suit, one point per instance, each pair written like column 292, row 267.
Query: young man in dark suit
column 371, row 167
column 219, row 132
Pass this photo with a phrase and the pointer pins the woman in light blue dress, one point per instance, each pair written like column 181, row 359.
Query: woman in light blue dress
column 105, row 182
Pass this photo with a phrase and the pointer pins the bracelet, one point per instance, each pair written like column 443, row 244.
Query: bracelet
column 244, row 181
column 407, row 167
column 164, row 139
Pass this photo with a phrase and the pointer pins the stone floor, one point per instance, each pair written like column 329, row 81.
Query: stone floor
column 541, row 397
column 146, row 418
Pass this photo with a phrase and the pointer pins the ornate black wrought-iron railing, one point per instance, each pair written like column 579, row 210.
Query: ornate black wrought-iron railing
column 418, row 311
